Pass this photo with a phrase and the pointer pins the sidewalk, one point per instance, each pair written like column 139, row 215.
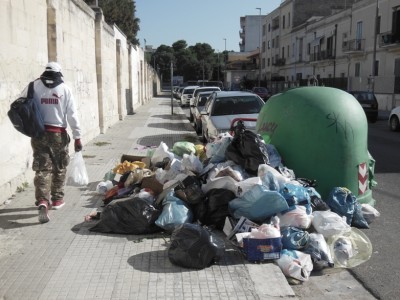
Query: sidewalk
column 62, row 259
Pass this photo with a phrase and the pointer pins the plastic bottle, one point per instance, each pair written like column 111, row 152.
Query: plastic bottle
column 103, row 187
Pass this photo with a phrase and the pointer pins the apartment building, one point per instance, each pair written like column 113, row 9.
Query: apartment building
column 353, row 45
column 250, row 33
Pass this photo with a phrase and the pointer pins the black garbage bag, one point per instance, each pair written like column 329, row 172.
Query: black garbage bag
column 247, row 149
column 193, row 246
column 128, row 216
column 189, row 190
column 216, row 207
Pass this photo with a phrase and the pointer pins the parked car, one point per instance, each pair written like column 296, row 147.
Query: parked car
column 223, row 107
column 187, row 94
column 368, row 102
column 197, row 107
column 262, row 92
column 179, row 93
column 394, row 119
column 200, row 90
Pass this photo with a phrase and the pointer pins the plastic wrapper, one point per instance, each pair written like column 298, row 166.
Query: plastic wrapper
column 160, row 153
column 263, row 170
column 329, row 223
column 192, row 163
column 369, row 212
column 350, row 249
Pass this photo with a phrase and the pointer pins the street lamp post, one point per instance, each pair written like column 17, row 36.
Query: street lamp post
column 374, row 52
column 172, row 86
column 259, row 45
column 225, row 63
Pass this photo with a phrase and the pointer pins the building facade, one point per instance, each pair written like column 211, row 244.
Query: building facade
column 352, row 45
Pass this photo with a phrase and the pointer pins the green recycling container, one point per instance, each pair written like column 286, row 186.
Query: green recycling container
column 321, row 133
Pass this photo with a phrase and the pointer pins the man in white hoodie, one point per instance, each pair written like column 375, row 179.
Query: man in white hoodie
column 50, row 151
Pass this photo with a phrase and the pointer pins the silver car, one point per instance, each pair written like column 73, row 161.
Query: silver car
column 197, row 107
column 223, row 107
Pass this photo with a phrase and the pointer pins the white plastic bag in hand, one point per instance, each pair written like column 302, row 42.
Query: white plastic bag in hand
column 77, row 174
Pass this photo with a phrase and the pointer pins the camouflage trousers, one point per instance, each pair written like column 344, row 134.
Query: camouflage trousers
column 50, row 161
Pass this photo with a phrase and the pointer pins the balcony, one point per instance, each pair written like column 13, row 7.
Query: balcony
column 279, row 62
column 353, row 46
column 242, row 33
column 388, row 39
column 321, row 55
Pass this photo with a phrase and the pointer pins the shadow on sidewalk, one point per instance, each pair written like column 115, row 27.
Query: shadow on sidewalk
column 142, row 261
column 169, row 139
column 10, row 217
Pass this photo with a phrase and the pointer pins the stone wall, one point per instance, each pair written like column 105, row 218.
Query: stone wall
column 108, row 76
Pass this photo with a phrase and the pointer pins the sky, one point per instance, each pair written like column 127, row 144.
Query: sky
column 196, row 21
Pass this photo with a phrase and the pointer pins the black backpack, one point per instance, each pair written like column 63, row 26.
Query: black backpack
column 25, row 115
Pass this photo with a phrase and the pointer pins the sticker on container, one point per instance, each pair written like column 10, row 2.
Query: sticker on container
column 362, row 178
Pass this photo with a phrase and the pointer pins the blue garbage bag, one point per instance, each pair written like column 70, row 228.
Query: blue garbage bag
column 175, row 212
column 294, row 238
column 342, row 202
column 258, row 204
column 296, row 195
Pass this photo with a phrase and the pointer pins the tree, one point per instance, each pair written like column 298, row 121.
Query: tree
column 162, row 58
column 121, row 13
column 193, row 63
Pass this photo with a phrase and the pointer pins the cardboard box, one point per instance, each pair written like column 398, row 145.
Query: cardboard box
column 243, row 225
column 262, row 249
column 153, row 184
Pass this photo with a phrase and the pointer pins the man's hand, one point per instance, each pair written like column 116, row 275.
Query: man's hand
column 78, row 145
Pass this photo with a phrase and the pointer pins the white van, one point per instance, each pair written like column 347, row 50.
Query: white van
column 187, row 94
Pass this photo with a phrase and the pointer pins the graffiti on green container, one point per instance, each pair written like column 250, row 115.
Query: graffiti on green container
column 341, row 126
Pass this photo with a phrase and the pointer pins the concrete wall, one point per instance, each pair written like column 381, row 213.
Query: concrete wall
column 108, row 76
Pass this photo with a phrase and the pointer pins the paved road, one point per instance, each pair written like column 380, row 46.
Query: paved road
column 381, row 273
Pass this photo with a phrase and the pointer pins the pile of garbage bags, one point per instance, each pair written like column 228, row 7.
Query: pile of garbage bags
column 236, row 185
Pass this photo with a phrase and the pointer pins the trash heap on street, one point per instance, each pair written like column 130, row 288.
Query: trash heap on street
column 239, row 186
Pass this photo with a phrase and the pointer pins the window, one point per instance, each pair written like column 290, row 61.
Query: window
column 283, row 52
column 288, row 20
column 378, row 25
column 376, row 68
column 359, row 35
column 329, row 46
column 263, row 46
column 269, row 27
column 357, row 70
column 308, row 48
column 268, row 62
column 269, row 44
column 283, row 21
